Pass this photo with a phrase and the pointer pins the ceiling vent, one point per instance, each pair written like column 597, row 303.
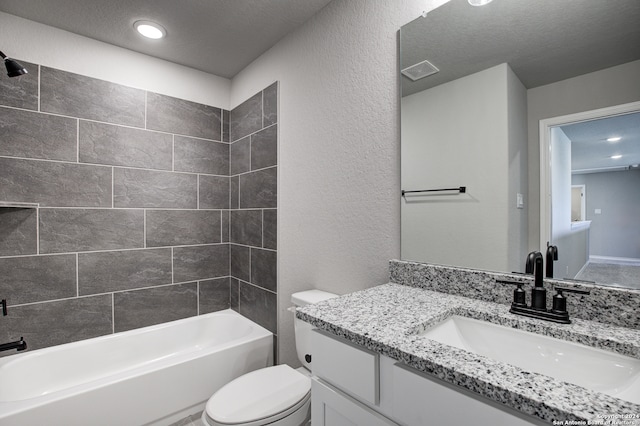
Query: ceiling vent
column 420, row 70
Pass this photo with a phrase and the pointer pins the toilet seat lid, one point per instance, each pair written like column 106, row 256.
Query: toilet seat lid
column 258, row 395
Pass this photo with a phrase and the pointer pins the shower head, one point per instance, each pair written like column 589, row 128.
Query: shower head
column 14, row 69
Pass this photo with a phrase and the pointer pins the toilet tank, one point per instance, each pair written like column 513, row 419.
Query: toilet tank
column 303, row 329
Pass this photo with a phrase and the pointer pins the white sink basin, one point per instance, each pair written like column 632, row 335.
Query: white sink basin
column 595, row 369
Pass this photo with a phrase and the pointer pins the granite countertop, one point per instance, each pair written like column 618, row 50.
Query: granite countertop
column 387, row 319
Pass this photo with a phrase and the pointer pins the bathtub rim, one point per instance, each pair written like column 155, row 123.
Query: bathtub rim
column 12, row 407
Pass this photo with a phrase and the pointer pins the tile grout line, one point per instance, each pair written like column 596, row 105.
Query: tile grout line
column 146, row 95
column 230, row 197
column 250, row 134
column 113, row 312
column 37, row 231
column 144, row 228
column 77, row 275
column 256, row 286
column 185, row 209
column 128, row 126
column 78, row 141
column 107, row 293
column 113, row 194
column 39, row 90
column 123, row 249
column 47, row 160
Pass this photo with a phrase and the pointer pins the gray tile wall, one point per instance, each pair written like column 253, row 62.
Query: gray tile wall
column 253, row 128
column 144, row 215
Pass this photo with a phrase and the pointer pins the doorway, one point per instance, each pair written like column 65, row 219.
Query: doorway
column 599, row 236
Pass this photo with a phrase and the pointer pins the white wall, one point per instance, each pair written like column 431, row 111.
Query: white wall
column 472, row 132
column 339, row 163
column 573, row 244
column 560, row 183
column 453, row 135
column 41, row 44
column 518, row 174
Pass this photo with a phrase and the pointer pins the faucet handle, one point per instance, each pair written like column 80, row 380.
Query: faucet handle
column 519, row 295
column 560, row 302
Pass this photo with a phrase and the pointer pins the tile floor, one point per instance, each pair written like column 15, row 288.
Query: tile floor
column 192, row 420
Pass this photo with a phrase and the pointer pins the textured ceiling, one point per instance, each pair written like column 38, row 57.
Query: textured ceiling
column 589, row 146
column 543, row 41
column 220, row 37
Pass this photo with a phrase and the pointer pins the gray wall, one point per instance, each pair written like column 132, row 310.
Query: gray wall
column 339, row 167
column 135, row 212
column 616, row 231
column 254, row 177
column 612, row 86
column 472, row 132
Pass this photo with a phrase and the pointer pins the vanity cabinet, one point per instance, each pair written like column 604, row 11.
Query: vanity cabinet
column 354, row 386
column 331, row 407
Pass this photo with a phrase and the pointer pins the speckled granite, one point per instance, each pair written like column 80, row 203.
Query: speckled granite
column 609, row 305
column 388, row 318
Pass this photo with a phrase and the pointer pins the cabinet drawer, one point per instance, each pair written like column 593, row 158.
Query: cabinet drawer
column 353, row 369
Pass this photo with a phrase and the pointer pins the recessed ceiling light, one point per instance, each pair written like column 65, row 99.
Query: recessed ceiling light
column 479, row 2
column 150, row 29
column 616, row 157
column 614, row 139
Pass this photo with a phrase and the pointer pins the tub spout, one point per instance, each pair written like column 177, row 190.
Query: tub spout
column 19, row 345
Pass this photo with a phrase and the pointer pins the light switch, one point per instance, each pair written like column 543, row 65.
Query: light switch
column 597, row 211
column 519, row 201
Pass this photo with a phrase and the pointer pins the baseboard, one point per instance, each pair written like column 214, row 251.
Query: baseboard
column 583, row 268
column 629, row 261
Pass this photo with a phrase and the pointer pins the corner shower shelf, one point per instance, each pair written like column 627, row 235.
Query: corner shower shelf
column 17, row 205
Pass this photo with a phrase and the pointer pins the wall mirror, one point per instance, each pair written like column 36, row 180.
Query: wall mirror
column 476, row 82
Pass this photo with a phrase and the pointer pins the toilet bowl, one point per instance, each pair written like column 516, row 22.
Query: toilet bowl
column 274, row 396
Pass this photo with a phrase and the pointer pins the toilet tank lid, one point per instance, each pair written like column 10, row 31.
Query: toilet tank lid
column 307, row 297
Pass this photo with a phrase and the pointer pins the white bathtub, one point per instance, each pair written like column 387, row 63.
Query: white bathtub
column 153, row 375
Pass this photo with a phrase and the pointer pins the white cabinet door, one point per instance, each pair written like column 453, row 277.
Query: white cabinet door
column 420, row 400
column 331, row 407
column 348, row 367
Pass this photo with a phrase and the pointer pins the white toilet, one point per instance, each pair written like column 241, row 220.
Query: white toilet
column 274, row 396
